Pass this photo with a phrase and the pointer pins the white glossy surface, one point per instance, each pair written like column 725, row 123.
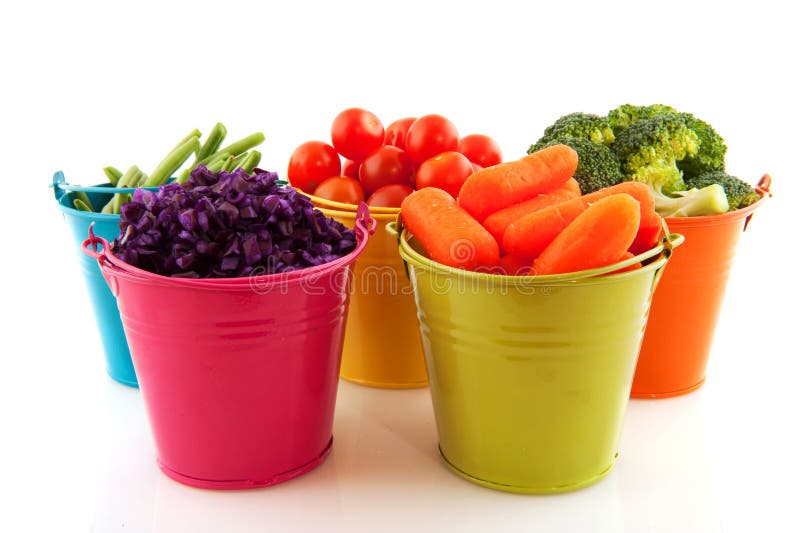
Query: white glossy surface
column 86, row 84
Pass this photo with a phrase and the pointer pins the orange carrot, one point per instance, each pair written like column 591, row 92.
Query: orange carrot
column 448, row 233
column 512, row 265
column 497, row 187
column 498, row 221
column 625, row 256
column 529, row 235
column 597, row 237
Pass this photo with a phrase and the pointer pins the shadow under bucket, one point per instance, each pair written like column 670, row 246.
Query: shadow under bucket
column 239, row 376
column 382, row 346
column 688, row 300
column 104, row 305
column 530, row 375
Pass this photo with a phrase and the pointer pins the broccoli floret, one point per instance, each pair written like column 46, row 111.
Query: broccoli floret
column 711, row 154
column 709, row 200
column 578, row 126
column 650, row 148
column 622, row 117
column 598, row 167
column 739, row 193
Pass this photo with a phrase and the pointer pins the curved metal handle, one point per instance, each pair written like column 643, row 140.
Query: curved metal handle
column 89, row 246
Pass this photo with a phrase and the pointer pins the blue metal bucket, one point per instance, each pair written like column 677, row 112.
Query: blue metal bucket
column 112, row 336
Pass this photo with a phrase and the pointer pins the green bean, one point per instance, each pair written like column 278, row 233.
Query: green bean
column 172, row 162
column 194, row 133
column 227, row 166
column 242, row 145
column 213, row 141
column 251, row 161
column 84, row 199
column 113, row 174
column 80, row 205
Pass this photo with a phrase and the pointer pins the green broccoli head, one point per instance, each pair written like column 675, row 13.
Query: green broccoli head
column 598, row 167
column 711, row 154
column 622, row 117
column 709, row 200
column 650, row 148
column 578, row 126
column 739, row 193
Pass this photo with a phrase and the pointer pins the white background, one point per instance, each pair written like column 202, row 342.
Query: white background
column 87, row 84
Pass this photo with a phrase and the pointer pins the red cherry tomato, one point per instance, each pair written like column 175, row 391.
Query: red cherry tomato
column 448, row 171
column 350, row 169
column 389, row 195
column 396, row 132
column 341, row 189
column 356, row 132
column 480, row 149
column 430, row 135
column 384, row 166
column 312, row 162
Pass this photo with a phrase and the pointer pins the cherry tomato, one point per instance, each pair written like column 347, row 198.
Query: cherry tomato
column 448, row 171
column 396, row 132
column 350, row 169
column 356, row 132
column 480, row 149
column 389, row 195
column 341, row 189
column 430, row 135
column 384, row 166
column 312, row 162
column 475, row 167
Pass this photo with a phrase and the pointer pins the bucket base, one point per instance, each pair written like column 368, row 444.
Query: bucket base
column 529, row 490
column 388, row 385
column 669, row 394
column 237, row 484
column 124, row 381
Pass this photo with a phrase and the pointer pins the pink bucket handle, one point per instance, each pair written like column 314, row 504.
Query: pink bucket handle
column 89, row 246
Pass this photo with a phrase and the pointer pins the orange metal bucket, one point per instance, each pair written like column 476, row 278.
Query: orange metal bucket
column 688, row 299
column 382, row 344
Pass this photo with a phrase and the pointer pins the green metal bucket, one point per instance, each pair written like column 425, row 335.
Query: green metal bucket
column 530, row 375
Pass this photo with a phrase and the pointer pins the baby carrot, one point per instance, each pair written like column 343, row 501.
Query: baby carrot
column 512, row 265
column 447, row 232
column 498, row 221
column 497, row 187
column 597, row 237
column 529, row 235
column 626, row 255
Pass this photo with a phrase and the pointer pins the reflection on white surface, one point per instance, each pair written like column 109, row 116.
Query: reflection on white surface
column 384, row 474
column 665, row 471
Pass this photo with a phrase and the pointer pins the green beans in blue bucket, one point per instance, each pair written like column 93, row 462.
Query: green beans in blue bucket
column 224, row 225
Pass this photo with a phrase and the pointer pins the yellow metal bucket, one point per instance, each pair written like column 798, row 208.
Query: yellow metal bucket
column 530, row 375
column 382, row 346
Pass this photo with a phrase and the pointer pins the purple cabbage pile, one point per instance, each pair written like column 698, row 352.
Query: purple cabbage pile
column 223, row 225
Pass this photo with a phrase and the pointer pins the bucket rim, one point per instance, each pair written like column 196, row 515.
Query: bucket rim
column 660, row 252
column 320, row 202
column 351, row 215
column 113, row 265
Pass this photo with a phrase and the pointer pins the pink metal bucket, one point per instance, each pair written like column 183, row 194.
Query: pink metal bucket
column 239, row 376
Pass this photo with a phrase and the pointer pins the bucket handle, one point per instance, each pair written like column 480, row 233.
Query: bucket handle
column 395, row 229
column 763, row 187
column 669, row 241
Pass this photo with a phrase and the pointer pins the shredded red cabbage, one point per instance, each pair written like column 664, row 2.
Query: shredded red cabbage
column 223, row 225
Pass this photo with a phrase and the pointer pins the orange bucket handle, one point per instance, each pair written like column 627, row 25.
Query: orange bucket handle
column 763, row 187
